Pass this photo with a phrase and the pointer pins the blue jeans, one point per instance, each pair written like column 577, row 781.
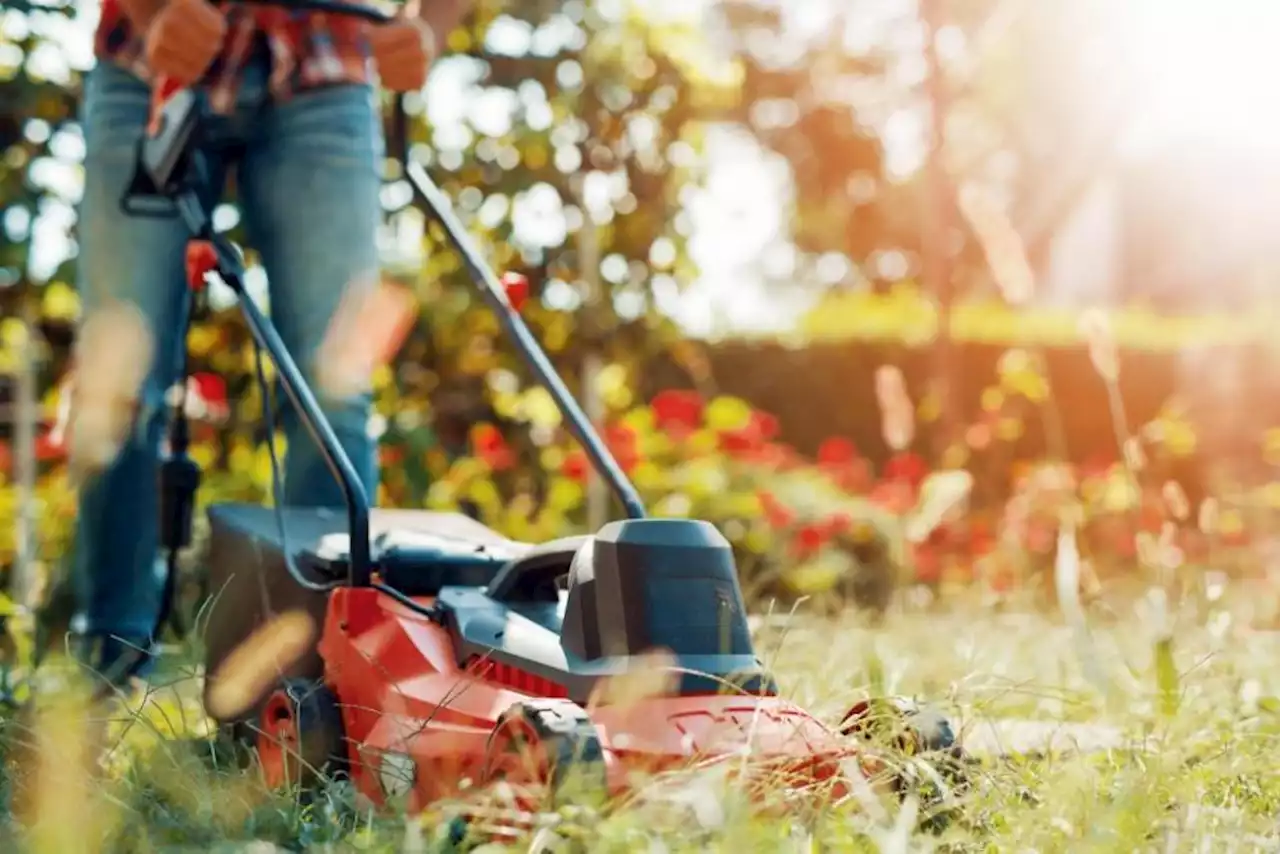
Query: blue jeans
column 308, row 175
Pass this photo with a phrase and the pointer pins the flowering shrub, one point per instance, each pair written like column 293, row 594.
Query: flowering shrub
column 833, row 526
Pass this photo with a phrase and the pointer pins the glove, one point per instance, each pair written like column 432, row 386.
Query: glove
column 404, row 50
column 183, row 39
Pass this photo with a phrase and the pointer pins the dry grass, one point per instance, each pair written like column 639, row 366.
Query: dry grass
column 1156, row 765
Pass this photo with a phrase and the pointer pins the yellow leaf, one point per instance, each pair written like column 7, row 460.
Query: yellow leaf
column 1009, row 429
column 611, row 378
column 640, row 419
column 552, row 458
column 564, row 494
column 506, row 404
column 648, row 477
column 728, row 413
column 204, row 455
column 1179, row 439
column 701, row 443
column 956, row 456
column 1121, row 494
column 442, row 495
column 992, row 399
column 556, row 335
column 535, row 156
column 202, row 340
column 757, row 541
column 812, row 578
column 13, row 333
column 459, row 40
column 539, row 408
column 930, row 407
column 743, row 505
column 618, row 398
column 485, row 494
column 60, row 302
column 241, row 456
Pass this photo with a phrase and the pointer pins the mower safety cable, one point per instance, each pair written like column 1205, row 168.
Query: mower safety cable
column 431, row 613
column 277, row 486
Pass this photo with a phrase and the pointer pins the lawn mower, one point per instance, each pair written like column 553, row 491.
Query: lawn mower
column 447, row 652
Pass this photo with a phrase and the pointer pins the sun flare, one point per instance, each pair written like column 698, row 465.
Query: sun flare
column 1203, row 71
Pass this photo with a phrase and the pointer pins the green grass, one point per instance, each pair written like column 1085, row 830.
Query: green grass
column 1187, row 765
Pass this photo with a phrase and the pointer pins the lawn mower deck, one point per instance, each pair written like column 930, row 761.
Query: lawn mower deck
column 510, row 655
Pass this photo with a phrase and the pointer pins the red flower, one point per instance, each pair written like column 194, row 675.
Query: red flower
column 740, row 443
column 809, row 540
column 390, row 455
column 982, row 541
column 1003, row 580
column 623, row 444
column 838, row 523
column 752, row 440
column 836, row 452
column 516, row 287
column 576, row 466
column 764, row 425
column 210, row 393
column 49, row 450
column 677, row 411
column 1096, row 466
column 855, row 478
column 928, row 564
column 907, row 468
column 896, row 496
column 777, row 515
column 487, row 444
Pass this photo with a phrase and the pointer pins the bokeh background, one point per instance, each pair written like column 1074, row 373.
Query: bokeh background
column 892, row 291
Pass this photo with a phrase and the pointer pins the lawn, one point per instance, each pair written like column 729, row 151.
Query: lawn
column 1124, row 755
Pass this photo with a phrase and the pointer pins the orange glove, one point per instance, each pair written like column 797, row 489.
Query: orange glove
column 183, row 39
column 404, row 50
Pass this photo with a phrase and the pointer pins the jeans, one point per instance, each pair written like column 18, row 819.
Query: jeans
column 308, row 175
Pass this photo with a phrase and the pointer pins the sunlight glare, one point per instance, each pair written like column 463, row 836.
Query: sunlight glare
column 1204, row 71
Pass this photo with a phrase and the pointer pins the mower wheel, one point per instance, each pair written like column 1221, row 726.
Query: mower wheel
column 546, row 750
column 905, row 728
column 901, row 722
column 300, row 739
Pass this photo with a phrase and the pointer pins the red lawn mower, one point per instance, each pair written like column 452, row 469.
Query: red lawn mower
column 449, row 655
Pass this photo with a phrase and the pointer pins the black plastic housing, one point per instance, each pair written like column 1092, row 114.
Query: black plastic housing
column 656, row 583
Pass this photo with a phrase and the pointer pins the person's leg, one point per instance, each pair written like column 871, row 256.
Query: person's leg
column 310, row 186
column 126, row 266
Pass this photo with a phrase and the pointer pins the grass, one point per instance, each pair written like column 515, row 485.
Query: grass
column 1143, row 765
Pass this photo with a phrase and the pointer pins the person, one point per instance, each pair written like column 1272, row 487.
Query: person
column 295, row 115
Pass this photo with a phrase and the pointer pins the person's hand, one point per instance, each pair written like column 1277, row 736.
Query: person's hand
column 403, row 50
column 183, row 38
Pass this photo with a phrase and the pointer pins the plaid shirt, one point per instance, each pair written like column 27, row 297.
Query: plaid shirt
column 308, row 50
